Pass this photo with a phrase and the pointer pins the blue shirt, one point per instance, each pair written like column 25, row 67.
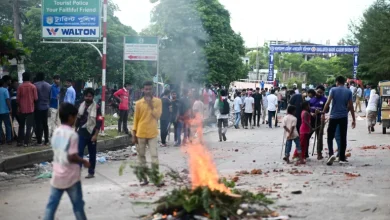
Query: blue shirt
column 43, row 90
column 340, row 98
column 367, row 93
column 55, row 90
column 4, row 95
column 262, row 85
column 70, row 95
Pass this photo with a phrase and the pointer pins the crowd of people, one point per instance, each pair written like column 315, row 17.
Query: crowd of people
column 306, row 110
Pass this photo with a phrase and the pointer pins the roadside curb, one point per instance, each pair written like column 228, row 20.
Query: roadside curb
column 23, row 160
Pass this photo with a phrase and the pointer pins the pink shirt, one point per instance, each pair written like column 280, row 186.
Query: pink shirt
column 64, row 142
column 305, row 129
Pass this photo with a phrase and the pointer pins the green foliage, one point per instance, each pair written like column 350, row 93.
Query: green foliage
column 82, row 61
column 215, row 204
column 197, row 42
column 372, row 34
column 227, row 183
column 10, row 48
column 144, row 173
column 293, row 80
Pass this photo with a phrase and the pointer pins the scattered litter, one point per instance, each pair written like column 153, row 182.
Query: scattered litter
column 277, row 218
column 348, row 154
column 367, row 165
column 44, row 176
column 102, row 159
column 365, row 210
column 235, row 179
column 369, row 147
column 115, row 115
column 374, row 209
column 236, row 150
column 256, row 171
column 297, row 192
column 352, row 175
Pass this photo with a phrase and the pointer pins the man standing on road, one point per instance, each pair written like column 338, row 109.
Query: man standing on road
column 26, row 96
column 262, row 84
column 264, row 104
column 359, row 95
column 237, row 105
column 272, row 108
column 317, row 104
column 5, row 112
column 223, row 109
column 123, row 95
column 42, row 108
column 175, row 105
column 54, row 101
column 165, row 117
column 341, row 99
column 243, row 97
column 70, row 95
column 257, row 111
column 89, row 121
column 297, row 100
column 367, row 92
column 147, row 112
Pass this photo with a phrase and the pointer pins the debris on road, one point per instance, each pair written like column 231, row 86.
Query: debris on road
column 297, row 192
column 352, row 175
column 256, row 171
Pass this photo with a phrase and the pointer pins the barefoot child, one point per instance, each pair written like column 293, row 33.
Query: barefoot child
column 305, row 129
column 66, row 169
column 289, row 125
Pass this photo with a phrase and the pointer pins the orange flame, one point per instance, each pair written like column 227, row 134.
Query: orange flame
column 202, row 168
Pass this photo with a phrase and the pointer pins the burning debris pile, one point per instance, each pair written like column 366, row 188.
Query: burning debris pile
column 207, row 197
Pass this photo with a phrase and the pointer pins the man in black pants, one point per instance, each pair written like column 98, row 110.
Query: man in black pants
column 165, row 117
column 257, row 111
column 42, row 108
column 341, row 99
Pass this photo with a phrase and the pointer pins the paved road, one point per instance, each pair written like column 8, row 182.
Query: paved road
column 327, row 192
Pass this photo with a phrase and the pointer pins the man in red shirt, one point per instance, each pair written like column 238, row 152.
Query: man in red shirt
column 26, row 96
column 123, row 96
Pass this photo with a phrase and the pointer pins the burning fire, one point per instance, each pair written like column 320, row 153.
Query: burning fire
column 202, row 168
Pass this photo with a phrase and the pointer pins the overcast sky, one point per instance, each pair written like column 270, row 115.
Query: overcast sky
column 259, row 20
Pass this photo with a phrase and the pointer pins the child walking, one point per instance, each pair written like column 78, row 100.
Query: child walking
column 305, row 129
column 290, row 132
column 66, row 169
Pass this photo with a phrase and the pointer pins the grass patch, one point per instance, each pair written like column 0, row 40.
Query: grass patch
column 109, row 134
column 110, row 120
column 32, row 149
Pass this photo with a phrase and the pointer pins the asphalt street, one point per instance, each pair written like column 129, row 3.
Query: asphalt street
column 328, row 192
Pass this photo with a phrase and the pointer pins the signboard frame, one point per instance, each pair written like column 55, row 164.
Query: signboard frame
column 57, row 28
column 312, row 49
column 132, row 40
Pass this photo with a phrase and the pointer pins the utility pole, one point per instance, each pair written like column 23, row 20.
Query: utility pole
column 18, row 35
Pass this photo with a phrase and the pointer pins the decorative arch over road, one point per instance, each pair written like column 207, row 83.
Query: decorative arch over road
column 310, row 49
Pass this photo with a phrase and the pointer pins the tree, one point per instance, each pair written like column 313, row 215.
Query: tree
column 10, row 48
column 81, row 61
column 197, row 42
column 372, row 34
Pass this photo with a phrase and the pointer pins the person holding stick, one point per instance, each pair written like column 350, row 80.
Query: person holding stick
column 317, row 104
column 291, row 133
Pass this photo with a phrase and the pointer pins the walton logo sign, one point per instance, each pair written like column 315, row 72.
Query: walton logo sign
column 52, row 31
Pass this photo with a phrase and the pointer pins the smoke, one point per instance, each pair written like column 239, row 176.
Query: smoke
column 183, row 40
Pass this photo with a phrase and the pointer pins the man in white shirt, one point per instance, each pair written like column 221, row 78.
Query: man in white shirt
column 272, row 108
column 237, row 109
column 249, row 107
column 222, row 110
column 359, row 94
